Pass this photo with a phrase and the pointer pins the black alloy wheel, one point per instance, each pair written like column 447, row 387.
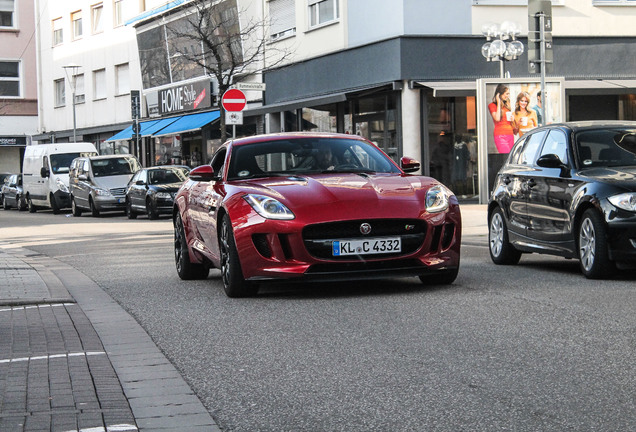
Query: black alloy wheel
column 233, row 282
column 593, row 248
column 501, row 251
column 30, row 205
column 5, row 204
column 186, row 269
column 150, row 209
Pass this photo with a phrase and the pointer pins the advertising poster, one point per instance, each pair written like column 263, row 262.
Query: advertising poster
column 507, row 109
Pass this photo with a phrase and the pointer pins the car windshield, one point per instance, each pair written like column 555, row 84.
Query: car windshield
column 166, row 176
column 114, row 166
column 604, row 148
column 301, row 156
column 61, row 162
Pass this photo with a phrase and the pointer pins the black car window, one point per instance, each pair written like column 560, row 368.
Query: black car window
column 598, row 148
column 529, row 152
column 556, row 143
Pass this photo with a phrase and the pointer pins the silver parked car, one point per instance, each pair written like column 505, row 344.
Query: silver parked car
column 11, row 193
column 98, row 183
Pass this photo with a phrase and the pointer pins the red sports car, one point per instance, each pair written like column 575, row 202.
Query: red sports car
column 310, row 206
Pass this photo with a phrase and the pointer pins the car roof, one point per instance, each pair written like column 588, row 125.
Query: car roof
column 107, row 156
column 292, row 136
column 577, row 126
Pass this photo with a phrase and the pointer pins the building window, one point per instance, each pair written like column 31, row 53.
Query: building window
column 118, row 12
column 96, row 18
column 614, row 2
column 282, row 18
column 76, row 24
column 80, row 96
column 60, row 92
column 7, row 13
column 511, row 2
column 9, row 79
column 122, row 79
column 322, row 12
column 58, row 33
column 99, row 84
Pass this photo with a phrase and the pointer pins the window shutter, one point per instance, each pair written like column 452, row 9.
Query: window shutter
column 282, row 16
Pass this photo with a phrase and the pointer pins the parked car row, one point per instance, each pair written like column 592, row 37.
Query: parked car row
column 58, row 176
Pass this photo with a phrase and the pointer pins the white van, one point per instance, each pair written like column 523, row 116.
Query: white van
column 45, row 173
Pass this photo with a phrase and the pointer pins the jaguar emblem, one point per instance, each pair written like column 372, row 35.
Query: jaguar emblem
column 365, row 228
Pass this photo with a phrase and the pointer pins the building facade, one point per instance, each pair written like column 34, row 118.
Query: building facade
column 18, row 96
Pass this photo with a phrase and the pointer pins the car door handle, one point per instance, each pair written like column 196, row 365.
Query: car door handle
column 531, row 183
column 507, row 180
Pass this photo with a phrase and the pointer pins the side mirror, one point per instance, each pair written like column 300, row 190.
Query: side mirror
column 82, row 177
column 140, row 183
column 203, row 173
column 409, row 164
column 44, row 172
column 552, row 161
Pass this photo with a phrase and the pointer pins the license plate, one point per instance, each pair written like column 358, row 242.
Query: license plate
column 366, row 246
column 121, row 200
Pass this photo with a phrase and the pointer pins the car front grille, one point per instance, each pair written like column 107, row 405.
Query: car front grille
column 318, row 238
column 118, row 191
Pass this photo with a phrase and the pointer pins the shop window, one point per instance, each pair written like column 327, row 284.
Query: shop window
column 97, row 23
column 99, row 84
column 76, row 24
column 282, row 18
column 58, row 33
column 322, row 12
column 60, row 92
column 7, row 13
column 10, row 79
column 375, row 119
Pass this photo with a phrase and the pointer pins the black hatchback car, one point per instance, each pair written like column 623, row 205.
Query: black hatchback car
column 568, row 189
column 151, row 191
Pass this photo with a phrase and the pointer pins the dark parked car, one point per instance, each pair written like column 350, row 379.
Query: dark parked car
column 317, row 207
column 152, row 190
column 11, row 193
column 568, row 190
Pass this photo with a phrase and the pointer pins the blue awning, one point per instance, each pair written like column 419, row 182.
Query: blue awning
column 155, row 11
column 127, row 133
column 188, row 123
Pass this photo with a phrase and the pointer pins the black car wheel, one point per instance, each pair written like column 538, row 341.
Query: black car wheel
column 74, row 209
column 592, row 242
column 233, row 282
column 150, row 210
column 54, row 206
column 20, row 204
column 186, row 269
column 501, row 251
column 129, row 210
column 91, row 205
column 30, row 205
column 5, row 205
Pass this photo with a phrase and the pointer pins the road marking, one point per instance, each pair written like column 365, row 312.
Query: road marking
column 53, row 356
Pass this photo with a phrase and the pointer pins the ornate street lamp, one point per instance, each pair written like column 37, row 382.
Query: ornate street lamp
column 501, row 44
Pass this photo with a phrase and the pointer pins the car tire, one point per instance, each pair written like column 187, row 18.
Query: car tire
column 74, row 209
column 445, row 277
column 593, row 248
column 186, row 269
column 233, row 282
column 54, row 206
column 21, row 205
column 30, row 205
column 91, row 205
column 130, row 213
column 5, row 205
column 501, row 251
column 150, row 210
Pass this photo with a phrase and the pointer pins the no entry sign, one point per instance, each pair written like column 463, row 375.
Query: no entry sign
column 233, row 100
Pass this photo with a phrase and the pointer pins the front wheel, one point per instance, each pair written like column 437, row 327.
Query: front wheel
column 20, row 203
column 130, row 213
column 186, row 269
column 91, row 205
column 593, row 247
column 501, row 251
column 5, row 205
column 30, row 205
column 74, row 209
column 54, row 206
column 233, row 282
column 150, row 210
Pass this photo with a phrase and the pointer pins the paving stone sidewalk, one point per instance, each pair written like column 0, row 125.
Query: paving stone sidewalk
column 71, row 359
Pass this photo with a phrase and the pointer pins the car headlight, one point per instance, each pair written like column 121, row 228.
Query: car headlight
column 625, row 201
column 60, row 185
column 163, row 195
column 102, row 192
column 269, row 207
column 437, row 198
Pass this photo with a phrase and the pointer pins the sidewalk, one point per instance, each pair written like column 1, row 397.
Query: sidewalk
column 71, row 359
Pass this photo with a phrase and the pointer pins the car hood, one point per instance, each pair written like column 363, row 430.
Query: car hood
column 356, row 195
column 617, row 176
column 169, row 187
column 112, row 182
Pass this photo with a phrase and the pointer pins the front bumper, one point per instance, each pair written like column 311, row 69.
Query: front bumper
column 621, row 237
column 62, row 199
column 110, row 202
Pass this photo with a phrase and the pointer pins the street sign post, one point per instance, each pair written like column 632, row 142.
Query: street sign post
column 540, row 57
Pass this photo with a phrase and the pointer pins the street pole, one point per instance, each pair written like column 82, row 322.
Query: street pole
column 74, row 115
column 543, row 63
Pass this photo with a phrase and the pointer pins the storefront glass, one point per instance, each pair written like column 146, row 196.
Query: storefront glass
column 374, row 118
column 113, row 147
column 168, row 150
column 452, row 144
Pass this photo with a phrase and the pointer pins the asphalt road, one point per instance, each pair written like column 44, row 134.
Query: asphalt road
column 524, row 348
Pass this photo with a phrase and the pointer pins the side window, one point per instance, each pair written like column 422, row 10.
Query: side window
column 143, row 176
column 529, row 152
column 516, row 151
column 86, row 167
column 135, row 178
column 45, row 162
column 556, row 143
column 217, row 162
